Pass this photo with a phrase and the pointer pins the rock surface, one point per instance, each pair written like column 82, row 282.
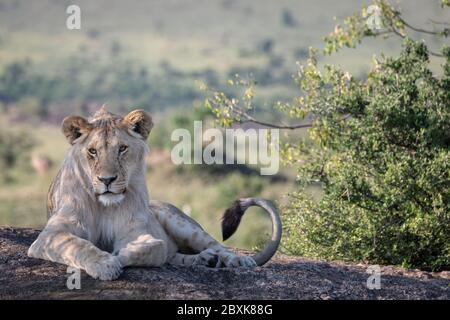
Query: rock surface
column 283, row 278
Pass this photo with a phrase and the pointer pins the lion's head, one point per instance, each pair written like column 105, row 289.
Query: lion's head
column 110, row 150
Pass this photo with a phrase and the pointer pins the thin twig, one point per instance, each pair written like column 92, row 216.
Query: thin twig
column 250, row 119
column 439, row 22
column 275, row 126
column 434, row 33
column 395, row 31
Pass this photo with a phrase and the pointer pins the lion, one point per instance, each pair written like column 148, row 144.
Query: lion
column 100, row 217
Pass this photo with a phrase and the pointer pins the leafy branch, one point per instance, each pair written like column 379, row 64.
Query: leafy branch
column 391, row 22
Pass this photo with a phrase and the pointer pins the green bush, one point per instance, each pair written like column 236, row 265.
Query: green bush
column 381, row 153
column 378, row 148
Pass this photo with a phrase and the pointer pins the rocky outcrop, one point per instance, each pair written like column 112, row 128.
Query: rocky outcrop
column 284, row 277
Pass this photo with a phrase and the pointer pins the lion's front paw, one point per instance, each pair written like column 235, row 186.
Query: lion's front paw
column 107, row 268
column 232, row 261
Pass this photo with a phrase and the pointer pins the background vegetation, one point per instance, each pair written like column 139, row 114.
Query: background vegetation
column 155, row 54
column 378, row 147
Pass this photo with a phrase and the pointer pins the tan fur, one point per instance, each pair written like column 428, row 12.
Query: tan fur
column 102, row 228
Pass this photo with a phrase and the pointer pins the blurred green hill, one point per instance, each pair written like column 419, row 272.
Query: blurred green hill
column 149, row 53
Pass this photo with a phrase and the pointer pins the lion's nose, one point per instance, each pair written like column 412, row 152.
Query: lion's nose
column 107, row 180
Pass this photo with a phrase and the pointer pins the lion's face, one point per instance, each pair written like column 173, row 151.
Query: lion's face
column 111, row 150
column 112, row 157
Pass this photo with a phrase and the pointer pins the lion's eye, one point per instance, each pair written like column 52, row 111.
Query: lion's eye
column 92, row 151
column 122, row 149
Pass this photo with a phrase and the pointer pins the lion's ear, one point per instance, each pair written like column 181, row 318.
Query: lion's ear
column 74, row 127
column 140, row 122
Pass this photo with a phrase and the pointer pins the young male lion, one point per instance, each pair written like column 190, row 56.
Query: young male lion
column 100, row 216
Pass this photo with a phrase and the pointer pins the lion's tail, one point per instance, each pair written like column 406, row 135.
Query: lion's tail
column 232, row 217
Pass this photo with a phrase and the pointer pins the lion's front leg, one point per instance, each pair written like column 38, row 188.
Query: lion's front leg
column 141, row 250
column 66, row 248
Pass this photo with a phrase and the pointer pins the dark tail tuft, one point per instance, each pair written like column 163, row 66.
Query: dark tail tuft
column 231, row 219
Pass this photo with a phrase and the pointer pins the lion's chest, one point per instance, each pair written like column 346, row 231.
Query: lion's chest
column 107, row 227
